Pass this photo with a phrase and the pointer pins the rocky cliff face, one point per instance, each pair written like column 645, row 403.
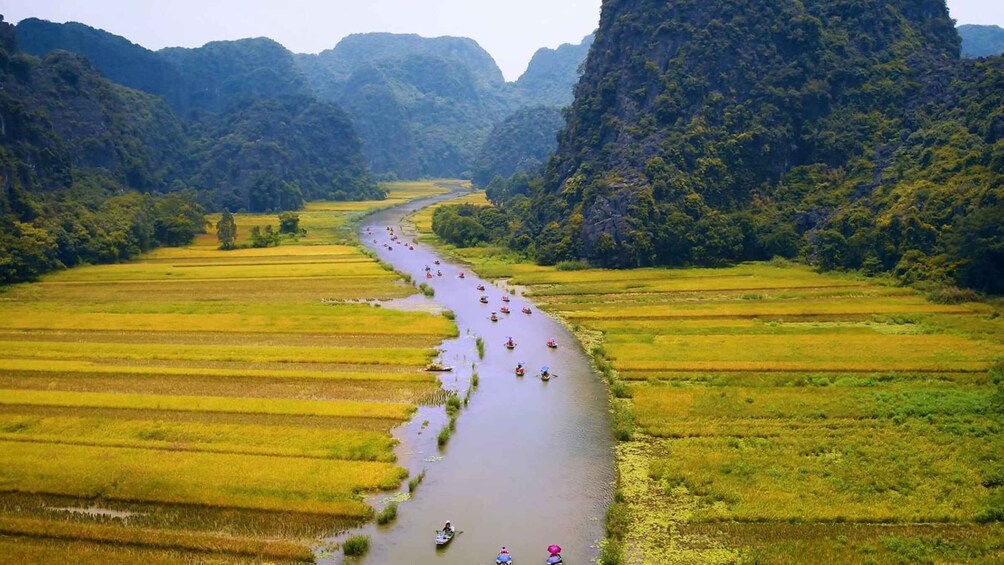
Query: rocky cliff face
column 838, row 131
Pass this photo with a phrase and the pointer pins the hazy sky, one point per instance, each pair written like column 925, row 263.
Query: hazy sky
column 511, row 30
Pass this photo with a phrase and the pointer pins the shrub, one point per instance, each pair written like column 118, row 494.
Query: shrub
column 571, row 266
column 444, row 436
column 453, row 404
column 415, row 481
column 388, row 514
column 954, row 295
column 356, row 545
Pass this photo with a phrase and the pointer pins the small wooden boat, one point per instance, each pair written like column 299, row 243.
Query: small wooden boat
column 444, row 537
column 505, row 298
column 484, row 300
column 504, row 309
column 494, row 317
column 552, row 344
column 437, row 368
column 520, row 370
column 526, row 310
column 481, row 287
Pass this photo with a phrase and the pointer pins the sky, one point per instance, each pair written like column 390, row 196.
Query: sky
column 510, row 30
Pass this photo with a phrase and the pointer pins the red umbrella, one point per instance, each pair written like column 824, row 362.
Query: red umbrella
column 554, row 549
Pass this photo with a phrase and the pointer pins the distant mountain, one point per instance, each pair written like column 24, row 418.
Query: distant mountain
column 331, row 68
column 552, row 74
column 981, row 40
column 209, row 78
column 222, row 72
column 423, row 106
column 520, row 144
column 116, row 57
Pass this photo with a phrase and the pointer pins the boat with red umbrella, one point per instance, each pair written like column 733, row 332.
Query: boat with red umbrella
column 555, row 558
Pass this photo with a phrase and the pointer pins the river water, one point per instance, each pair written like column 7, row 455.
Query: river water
column 530, row 463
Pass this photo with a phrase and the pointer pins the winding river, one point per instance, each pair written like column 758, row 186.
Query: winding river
column 530, row 463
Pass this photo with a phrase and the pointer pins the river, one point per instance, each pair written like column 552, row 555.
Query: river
column 530, row 463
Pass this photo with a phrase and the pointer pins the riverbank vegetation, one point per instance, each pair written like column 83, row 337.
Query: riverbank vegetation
column 229, row 403
column 768, row 413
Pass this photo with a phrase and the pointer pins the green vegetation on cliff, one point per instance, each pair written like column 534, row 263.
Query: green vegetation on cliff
column 847, row 133
column 522, row 143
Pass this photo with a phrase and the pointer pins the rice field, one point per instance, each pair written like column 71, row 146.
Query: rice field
column 207, row 405
column 771, row 414
column 762, row 397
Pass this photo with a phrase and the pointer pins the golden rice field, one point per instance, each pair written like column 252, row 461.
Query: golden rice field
column 763, row 399
column 771, row 414
column 208, row 405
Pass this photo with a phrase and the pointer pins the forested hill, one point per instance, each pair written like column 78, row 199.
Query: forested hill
column 552, row 73
column 116, row 57
column 981, row 41
column 522, row 143
column 361, row 50
column 94, row 171
column 208, row 79
column 423, row 106
column 846, row 132
column 220, row 73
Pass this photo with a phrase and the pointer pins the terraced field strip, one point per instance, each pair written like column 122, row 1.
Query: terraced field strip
column 286, row 354
column 286, row 441
column 92, row 367
column 207, row 479
column 186, row 541
column 258, row 386
column 336, row 408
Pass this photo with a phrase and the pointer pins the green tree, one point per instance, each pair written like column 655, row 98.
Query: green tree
column 226, row 230
column 289, row 222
